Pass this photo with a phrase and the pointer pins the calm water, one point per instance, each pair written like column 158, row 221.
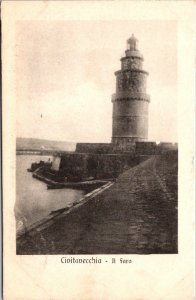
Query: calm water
column 33, row 200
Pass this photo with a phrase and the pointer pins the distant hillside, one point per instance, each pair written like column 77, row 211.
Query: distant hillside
column 40, row 144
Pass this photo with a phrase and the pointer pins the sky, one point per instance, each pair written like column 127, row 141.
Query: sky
column 65, row 77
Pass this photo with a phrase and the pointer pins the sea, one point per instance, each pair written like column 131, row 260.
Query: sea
column 33, row 200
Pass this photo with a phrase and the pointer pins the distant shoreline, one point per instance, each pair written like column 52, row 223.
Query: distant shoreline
column 39, row 152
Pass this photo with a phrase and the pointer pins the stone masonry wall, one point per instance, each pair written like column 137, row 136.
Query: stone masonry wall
column 81, row 166
column 94, row 148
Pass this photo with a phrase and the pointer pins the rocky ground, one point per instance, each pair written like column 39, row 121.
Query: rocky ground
column 136, row 215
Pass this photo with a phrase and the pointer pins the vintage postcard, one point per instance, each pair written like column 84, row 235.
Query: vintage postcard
column 98, row 149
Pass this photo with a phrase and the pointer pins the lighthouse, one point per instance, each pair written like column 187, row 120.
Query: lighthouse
column 130, row 102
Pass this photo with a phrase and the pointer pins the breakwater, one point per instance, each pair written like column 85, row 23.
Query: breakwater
column 86, row 186
column 136, row 214
column 80, row 166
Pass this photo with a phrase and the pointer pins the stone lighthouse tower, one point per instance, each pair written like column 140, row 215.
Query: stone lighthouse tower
column 130, row 102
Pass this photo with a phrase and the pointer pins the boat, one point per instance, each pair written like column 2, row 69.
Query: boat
column 35, row 166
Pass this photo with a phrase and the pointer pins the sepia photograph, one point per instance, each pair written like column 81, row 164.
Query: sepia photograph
column 96, row 145
column 98, row 158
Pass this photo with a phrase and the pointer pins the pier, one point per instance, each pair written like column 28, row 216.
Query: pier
column 136, row 214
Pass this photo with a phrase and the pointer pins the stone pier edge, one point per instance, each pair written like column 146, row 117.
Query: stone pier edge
column 58, row 214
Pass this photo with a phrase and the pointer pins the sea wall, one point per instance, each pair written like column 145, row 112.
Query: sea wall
column 102, row 160
column 136, row 214
column 82, row 166
column 104, row 148
column 153, row 148
column 129, row 148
